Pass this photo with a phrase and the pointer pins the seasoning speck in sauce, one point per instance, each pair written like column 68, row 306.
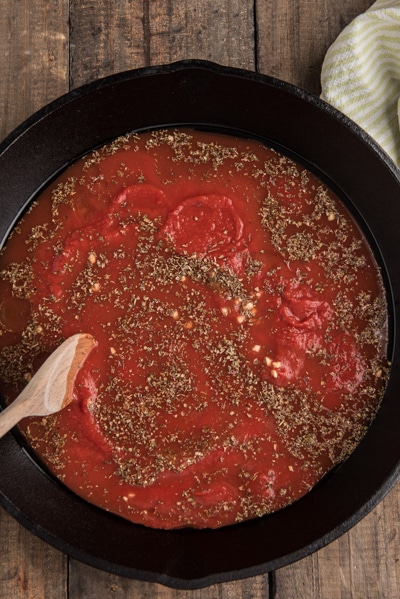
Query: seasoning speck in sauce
column 241, row 325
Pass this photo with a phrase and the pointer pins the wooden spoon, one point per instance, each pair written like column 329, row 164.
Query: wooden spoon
column 50, row 389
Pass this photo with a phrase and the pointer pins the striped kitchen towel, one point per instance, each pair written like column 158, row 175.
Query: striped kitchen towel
column 361, row 74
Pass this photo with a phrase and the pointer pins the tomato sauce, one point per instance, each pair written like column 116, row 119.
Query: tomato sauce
column 240, row 318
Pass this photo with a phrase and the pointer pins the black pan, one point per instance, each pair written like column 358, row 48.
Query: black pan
column 201, row 94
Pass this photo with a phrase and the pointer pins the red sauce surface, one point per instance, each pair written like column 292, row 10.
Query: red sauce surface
column 240, row 320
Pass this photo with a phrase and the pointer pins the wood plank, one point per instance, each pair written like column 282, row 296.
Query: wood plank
column 106, row 38
column 34, row 49
column 293, row 37
column 29, row 567
column 222, row 31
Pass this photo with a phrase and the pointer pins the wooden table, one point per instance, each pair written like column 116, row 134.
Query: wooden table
column 49, row 47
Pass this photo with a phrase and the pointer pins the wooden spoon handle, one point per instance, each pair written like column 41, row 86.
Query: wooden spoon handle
column 10, row 417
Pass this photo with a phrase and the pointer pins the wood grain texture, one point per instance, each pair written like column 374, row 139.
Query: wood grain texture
column 219, row 31
column 29, row 568
column 293, row 37
column 106, row 38
column 34, row 40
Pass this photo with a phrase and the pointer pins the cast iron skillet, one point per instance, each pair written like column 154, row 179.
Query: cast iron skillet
column 205, row 95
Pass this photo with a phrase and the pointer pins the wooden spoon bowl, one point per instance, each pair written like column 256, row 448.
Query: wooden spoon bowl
column 51, row 388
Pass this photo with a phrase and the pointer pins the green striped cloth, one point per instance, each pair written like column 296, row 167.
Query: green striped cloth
column 361, row 74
